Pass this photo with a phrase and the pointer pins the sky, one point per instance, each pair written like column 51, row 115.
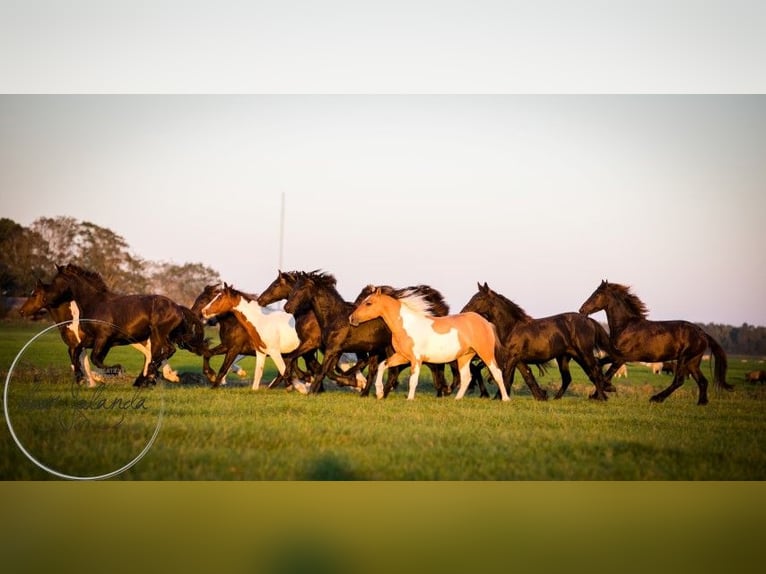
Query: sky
column 406, row 158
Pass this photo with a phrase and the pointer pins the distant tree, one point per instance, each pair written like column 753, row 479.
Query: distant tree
column 93, row 247
column 182, row 283
column 23, row 258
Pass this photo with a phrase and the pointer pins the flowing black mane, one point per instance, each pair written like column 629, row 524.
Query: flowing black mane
column 320, row 278
column 622, row 292
column 516, row 312
column 91, row 277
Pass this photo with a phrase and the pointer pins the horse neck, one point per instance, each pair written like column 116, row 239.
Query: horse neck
column 506, row 317
column 619, row 315
column 396, row 315
column 61, row 312
column 86, row 295
column 249, row 311
column 327, row 303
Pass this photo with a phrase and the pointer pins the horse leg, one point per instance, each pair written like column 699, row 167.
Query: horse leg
column 260, row 362
column 476, row 378
column 696, row 373
column 393, row 379
column 437, row 375
column 590, row 365
column 678, row 380
column 566, row 376
column 537, row 391
column 464, row 368
column 206, row 368
column 414, row 375
column 393, row 360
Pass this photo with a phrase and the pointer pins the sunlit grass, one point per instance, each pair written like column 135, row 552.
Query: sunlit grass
column 234, row 433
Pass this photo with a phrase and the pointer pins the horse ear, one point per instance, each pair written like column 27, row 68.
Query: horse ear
column 59, row 268
column 377, row 291
column 486, row 287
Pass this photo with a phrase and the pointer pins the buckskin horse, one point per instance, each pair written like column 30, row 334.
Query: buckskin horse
column 635, row 338
column 418, row 336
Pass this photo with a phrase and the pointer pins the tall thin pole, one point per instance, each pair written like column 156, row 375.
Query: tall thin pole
column 282, row 232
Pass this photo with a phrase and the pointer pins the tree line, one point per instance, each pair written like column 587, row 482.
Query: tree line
column 31, row 253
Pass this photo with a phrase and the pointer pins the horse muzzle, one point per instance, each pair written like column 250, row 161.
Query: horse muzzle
column 352, row 320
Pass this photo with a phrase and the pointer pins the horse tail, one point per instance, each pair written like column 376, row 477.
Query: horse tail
column 603, row 341
column 721, row 364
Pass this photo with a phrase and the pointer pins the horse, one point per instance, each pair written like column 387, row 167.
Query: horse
column 635, row 338
column 306, row 321
column 536, row 341
column 124, row 319
column 271, row 333
column 418, row 336
column 439, row 308
column 316, row 290
column 67, row 316
column 235, row 340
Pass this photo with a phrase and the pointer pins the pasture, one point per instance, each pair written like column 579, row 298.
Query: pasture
column 234, row 433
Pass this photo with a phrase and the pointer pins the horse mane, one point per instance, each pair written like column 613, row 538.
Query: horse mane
column 246, row 296
column 516, row 312
column 320, row 278
column 438, row 306
column 421, row 299
column 623, row 293
column 93, row 278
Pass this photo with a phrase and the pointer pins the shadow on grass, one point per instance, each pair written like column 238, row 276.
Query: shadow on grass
column 330, row 466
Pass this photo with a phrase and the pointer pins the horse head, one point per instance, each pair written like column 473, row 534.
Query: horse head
column 369, row 308
column 37, row 300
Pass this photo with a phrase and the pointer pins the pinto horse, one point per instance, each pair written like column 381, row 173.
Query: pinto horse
column 419, row 336
column 67, row 316
column 635, row 338
column 124, row 319
column 236, row 341
column 536, row 341
column 439, row 308
column 272, row 333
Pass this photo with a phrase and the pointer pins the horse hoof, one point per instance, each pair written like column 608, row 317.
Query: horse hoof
column 610, row 388
column 656, row 399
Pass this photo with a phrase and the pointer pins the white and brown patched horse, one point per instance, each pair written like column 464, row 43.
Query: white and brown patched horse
column 420, row 337
column 272, row 333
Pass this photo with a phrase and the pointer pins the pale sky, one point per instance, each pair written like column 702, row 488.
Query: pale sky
column 461, row 179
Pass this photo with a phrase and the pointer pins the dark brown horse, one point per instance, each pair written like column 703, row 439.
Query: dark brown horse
column 125, row 319
column 66, row 316
column 528, row 341
column 316, row 290
column 280, row 289
column 635, row 338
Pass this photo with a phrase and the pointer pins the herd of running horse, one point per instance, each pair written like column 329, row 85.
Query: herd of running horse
column 384, row 329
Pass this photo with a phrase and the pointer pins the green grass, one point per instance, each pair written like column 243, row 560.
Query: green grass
column 235, row 433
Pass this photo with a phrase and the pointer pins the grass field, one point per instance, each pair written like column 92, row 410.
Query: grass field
column 234, row 433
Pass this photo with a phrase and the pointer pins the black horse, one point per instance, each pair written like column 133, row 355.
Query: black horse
column 564, row 337
column 125, row 319
column 635, row 338
column 316, row 290
column 306, row 320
